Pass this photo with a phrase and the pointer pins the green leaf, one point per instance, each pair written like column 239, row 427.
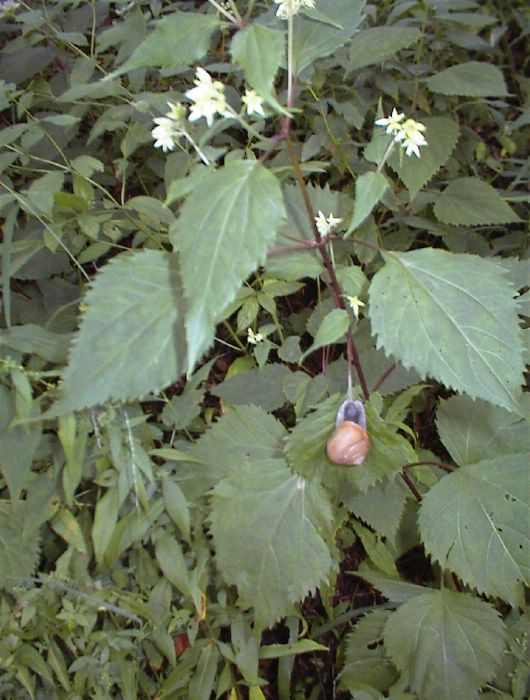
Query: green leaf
column 396, row 590
column 472, row 79
column 31, row 338
column 380, row 506
column 302, row 646
column 18, row 551
column 40, row 193
column 366, row 660
column 475, row 522
column 333, row 327
column 262, row 387
column 475, row 430
column 18, row 444
column 176, row 506
column 266, row 524
column 442, row 135
column 133, row 345
column 376, row 550
column 376, row 44
column 180, row 38
column 105, row 519
column 369, row 188
column 245, row 647
column 447, row 643
column 247, row 432
column 11, row 133
column 223, row 232
column 152, row 208
column 171, row 560
column 61, row 119
column 468, row 201
column 452, row 317
column 87, row 165
column 260, row 51
column 313, row 39
column 203, row 680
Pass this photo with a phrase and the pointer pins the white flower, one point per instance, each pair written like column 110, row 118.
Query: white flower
column 411, row 137
column 169, row 128
column 355, row 304
column 254, row 338
column 208, row 96
column 408, row 134
column 8, row 6
column 392, row 122
column 326, row 226
column 253, row 103
column 164, row 134
column 288, row 8
column 176, row 111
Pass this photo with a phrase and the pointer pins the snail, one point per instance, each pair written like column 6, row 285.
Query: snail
column 349, row 443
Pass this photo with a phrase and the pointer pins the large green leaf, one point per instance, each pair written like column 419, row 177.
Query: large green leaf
column 380, row 506
column 475, row 522
column 178, row 39
column 468, row 201
column 203, row 680
column 267, row 525
column 313, row 39
column 18, row 551
column 441, row 134
column 452, row 317
column 31, row 338
column 131, row 339
column 473, row 79
column 18, row 444
column 369, row 188
column 376, row 44
column 366, row 660
column 447, row 643
column 246, row 432
column 333, row 327
column 475, row 430
column 222, row 234
column 260, row 51
column 262, row 387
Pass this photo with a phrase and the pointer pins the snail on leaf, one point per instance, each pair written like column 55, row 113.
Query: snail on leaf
column 349, row 443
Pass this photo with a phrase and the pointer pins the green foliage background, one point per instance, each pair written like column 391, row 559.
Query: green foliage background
column 170, row 524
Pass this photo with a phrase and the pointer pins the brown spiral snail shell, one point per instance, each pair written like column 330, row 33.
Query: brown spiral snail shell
column 349, row 443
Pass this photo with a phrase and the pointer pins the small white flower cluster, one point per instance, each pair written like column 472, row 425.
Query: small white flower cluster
column 288, row 8
column 169, row 128
column 254, row 338
column 326, row 225
column 355, row 304
column 208, row 98
column 7, row 6
column 408, row 133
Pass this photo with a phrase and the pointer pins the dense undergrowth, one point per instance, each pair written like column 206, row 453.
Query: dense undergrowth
column 208, row 244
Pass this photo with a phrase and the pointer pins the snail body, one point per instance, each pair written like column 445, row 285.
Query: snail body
column 349, row 443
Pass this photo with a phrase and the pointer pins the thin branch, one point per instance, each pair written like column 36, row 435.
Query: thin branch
column 415, row 492
column 351, row 350
column 442, row 465
column 383, row 377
